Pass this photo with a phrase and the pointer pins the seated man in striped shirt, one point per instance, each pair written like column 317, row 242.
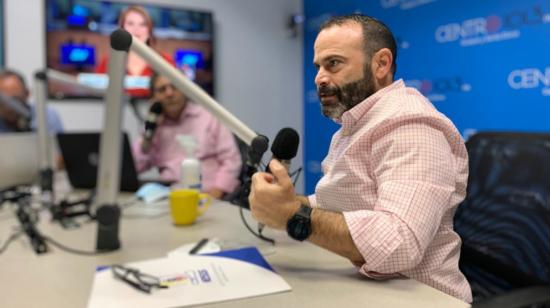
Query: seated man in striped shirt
column 395, row 172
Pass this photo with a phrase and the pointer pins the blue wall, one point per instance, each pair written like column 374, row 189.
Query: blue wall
column 484, row 64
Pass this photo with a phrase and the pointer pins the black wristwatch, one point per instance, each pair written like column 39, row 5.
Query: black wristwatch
column 298, row 226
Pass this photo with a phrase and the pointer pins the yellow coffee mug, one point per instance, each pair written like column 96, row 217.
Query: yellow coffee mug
column 188, row 204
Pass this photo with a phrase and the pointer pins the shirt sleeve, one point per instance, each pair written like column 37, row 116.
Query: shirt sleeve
column 55, row 125
column 142, row 160
column 414, row 169
column 229, row 158
column 312, row 200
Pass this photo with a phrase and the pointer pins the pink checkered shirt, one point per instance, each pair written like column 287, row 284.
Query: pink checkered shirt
column 397, row 169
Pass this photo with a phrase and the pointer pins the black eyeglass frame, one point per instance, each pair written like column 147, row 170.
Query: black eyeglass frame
column 142, row 280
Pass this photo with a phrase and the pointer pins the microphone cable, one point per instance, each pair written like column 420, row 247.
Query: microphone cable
column 257, row 234
column 30, row 220
column 10, row 239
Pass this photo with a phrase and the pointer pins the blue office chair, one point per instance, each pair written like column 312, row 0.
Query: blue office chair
column 504, row 221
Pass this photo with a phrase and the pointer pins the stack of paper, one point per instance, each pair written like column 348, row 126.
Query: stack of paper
column 192, row 280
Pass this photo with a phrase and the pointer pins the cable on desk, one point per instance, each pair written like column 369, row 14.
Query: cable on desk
column 258, row 235
column 10, row 239
column 73, row 250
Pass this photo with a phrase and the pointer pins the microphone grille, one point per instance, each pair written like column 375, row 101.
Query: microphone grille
column 285, row 144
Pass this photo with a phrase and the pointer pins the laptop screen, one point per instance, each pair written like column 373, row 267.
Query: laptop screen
column 19, row 159
column 81, row 155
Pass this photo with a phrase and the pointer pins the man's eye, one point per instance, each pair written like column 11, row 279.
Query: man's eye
column 333, row 62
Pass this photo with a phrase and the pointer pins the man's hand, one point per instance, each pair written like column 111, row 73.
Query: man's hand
column 145, row 146
column 216, row 193
column 272, row 197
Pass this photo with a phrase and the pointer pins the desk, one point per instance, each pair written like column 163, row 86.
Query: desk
column 318, row 278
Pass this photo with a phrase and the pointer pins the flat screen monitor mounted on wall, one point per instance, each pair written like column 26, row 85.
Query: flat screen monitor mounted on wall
column 77, row 43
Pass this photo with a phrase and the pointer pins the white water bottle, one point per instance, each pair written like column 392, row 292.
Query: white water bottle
column 190, row 173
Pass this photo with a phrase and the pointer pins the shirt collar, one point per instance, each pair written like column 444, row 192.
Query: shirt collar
column 352, row 116
column 191, row 110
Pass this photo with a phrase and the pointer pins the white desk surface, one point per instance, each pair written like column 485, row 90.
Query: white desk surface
column 318, row 278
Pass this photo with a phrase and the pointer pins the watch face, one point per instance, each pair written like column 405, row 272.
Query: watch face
column 299, row 228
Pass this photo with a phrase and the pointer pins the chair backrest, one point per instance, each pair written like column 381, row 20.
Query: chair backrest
column 504, row 222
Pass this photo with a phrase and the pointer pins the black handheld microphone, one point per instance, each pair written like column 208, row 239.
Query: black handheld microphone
column 151, row 120
column 284, row 149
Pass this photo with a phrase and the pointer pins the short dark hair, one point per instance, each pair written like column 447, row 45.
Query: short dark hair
column 6, row 73
column 376, row 35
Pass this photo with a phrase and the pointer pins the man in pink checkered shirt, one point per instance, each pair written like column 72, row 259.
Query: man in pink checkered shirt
column 217, row 151
column 394, row 174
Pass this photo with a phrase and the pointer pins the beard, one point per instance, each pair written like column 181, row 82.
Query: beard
column 347, row 96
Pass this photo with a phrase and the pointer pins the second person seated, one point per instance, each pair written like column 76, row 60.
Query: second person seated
column 216, row 147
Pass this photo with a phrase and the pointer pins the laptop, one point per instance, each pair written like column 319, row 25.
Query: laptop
column 81, row 155
column 18, row 159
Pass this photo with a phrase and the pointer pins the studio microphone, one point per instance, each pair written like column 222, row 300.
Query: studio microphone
column 151, row 120
column 21, row 112
column 151, row 125
column 284, row 149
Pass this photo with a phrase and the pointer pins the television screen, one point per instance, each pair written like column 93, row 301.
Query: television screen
column 77, row 43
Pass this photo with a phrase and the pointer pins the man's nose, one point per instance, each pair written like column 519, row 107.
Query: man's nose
column 169, row 90
column 321, row 78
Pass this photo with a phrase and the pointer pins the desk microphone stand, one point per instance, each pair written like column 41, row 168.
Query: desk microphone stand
column 25, row 218
column 63, row 211
column 44, row 149
column 254, row 156
column 108, row 183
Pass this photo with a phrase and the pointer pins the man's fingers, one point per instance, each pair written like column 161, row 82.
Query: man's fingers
column 280, row 173
column 261, row 178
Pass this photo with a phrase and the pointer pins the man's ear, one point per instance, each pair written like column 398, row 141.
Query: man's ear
column 381, row 63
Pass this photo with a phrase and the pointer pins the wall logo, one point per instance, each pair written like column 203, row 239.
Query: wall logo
column 436, row 90
column 314, row 166
column 402, row 43
column 404, row 4
column 493, row 28
column 311, row 96
column 530, row 78
column 313, row 23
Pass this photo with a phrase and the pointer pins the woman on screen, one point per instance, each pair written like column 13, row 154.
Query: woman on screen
column 137, row 22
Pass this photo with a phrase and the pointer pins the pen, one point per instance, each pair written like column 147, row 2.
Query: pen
column 198, row 246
